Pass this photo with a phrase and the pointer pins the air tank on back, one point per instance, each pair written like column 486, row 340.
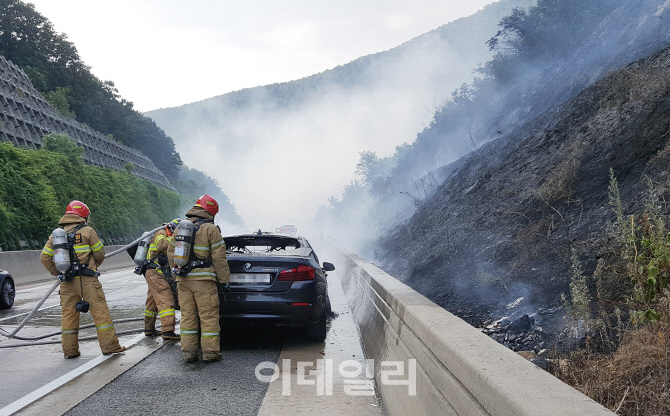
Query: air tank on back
column 142, row 249
column 61, row 250
column 183, row 238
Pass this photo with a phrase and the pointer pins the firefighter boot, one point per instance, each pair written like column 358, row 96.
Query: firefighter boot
column 170, row 335
column 115, row 351
column 212, row 359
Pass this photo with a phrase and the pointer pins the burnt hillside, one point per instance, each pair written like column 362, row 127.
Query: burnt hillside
column 503, row 225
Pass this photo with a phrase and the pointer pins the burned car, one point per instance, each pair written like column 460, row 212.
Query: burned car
column 275, row 278
column 7, row 290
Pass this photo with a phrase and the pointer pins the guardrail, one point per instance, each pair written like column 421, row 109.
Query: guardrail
column 459, row 370
column 25, row 266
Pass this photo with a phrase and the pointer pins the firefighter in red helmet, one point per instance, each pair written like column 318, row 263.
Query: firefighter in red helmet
column 80, row 283
column 196, row 283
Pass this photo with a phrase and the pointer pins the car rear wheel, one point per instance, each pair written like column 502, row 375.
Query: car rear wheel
column 7, row 293
column 317, row 331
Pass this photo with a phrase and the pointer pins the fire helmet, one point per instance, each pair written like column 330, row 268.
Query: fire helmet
column 172, row 225
column 79, row 208
column 208, row 203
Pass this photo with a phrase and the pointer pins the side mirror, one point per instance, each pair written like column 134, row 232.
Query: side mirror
column 328, row 267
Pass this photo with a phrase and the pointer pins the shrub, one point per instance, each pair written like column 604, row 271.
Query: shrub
column 36, row 186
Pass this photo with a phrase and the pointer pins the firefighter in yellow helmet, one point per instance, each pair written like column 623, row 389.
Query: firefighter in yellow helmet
column 160, row 301
column 81, row 283
column 196, row 283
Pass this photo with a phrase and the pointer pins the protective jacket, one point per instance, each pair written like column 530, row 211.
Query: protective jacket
column 160, row 301
column 158, row 246
column 89, row 250
column 208, row 245
column 87, row 245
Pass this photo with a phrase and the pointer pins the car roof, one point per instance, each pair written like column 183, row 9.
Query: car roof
column 275, row 243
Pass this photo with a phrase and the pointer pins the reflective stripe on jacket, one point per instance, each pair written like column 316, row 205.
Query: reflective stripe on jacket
column 87, row 245
column 158, row 246
column 208, row 244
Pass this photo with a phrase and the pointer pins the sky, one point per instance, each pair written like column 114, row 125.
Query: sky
column 165, row 53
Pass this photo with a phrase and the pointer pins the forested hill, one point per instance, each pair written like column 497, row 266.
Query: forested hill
column 55, row 68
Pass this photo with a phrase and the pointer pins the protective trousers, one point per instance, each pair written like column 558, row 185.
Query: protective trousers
column 70, row 294
column 160, row 302
column 199, row 303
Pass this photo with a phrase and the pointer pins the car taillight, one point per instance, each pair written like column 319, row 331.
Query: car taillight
column 300, row 274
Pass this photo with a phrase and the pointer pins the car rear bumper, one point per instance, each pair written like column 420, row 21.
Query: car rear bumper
column 299, row 310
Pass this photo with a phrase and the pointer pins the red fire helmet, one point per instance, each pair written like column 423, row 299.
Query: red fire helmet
column 79, row 208
column 209, row 203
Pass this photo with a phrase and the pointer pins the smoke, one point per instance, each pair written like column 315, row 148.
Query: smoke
column 631, row 31
column 279, row 152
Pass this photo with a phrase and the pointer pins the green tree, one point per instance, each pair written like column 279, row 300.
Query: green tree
column 29, row 40
column 62, row 143
column 59, row 100
column 547, row 30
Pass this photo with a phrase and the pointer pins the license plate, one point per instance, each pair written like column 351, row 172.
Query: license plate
column 253, row 278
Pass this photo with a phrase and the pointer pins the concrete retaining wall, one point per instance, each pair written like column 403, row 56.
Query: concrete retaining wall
column 459, row 370
column 25, row 266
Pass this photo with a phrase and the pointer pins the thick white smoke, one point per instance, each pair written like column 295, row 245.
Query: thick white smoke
column 278, row 161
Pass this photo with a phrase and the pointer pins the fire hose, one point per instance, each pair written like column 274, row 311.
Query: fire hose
column 44, row 298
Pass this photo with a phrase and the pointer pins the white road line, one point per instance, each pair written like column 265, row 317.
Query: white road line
column 48, row 388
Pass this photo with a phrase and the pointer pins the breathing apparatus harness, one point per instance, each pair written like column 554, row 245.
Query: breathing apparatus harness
column 147, row 264
column 76, row 268
column 144, row 263
column 193, row 261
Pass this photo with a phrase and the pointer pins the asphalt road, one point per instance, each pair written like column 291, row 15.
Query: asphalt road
column 25, row 369
column 164, row 384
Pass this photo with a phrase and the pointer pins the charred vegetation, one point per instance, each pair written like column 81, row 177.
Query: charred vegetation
column 561, row 226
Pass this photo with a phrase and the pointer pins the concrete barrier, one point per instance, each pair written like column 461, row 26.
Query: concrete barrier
column 459, row 370
column 25, row 266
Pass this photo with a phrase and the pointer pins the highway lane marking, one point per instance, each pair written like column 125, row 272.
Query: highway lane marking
column 48, row 388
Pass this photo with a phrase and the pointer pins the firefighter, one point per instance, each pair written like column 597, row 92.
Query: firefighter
column 196, row 283
column 160, row 301
column 81, row 283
